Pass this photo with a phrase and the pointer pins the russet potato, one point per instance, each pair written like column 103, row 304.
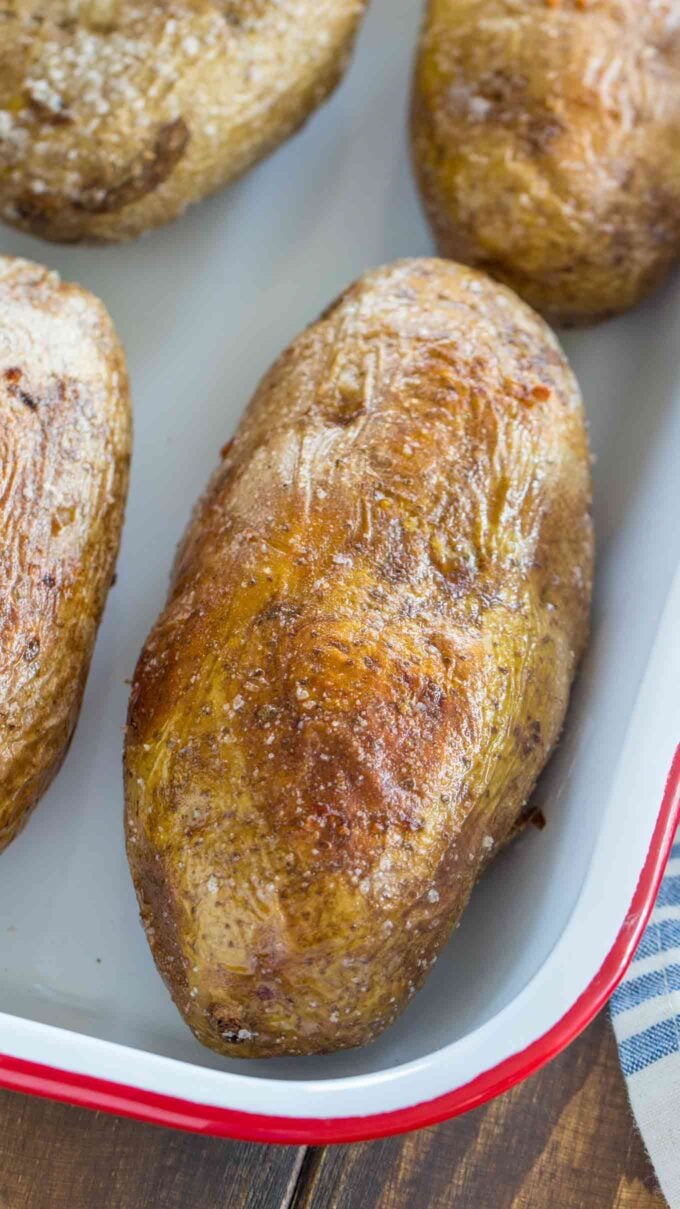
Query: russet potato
column 64, row 453
column 546, row 140
column 365, row 660
column 115, row 114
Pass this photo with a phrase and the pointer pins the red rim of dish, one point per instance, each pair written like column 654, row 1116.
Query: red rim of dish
column 18, row 1074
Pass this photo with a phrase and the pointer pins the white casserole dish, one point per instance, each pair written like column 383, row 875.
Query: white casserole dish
column 203, row 308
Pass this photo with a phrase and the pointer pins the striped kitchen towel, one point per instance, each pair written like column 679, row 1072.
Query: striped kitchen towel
column 646, row 1015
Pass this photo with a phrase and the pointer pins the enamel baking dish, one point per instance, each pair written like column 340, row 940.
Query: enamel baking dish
column 203, row 308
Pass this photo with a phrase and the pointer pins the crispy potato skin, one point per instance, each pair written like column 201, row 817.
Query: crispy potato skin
column 116, row 115
column 64, row 452
column 546, row 141
column 365, row 659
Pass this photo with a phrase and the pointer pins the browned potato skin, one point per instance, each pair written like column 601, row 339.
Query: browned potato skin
column 365, row 659
column 64, row 452
column 546, row 141
column 115, row 115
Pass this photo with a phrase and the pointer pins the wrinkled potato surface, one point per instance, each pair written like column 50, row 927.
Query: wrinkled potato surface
column 116, row 114
column 546, row 140
column 365, row 660
column 64, row 453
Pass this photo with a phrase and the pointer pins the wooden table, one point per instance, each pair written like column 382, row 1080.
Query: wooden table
column 563, row 1140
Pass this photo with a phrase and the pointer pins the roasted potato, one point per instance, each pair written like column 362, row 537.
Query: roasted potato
column 115, row 115
column 546, row 140
column 365, row 660
column 64, row 451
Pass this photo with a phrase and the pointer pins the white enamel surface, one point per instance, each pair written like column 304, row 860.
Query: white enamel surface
column 203, row 308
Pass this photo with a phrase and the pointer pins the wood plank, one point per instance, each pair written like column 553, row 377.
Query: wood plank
column 56, row 1157
column 562, row 1140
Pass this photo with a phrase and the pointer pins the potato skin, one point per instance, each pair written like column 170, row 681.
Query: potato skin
column 116, row 115
column 546, row 141
column 365, row 659
column 64, row 452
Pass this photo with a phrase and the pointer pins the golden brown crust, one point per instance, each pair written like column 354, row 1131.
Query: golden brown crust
column 116, row 115
column 64, row 452
column 546, row 141
column 374, row 621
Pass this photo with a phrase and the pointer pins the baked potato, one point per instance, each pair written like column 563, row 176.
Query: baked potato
column 365, row 659
column 546, row 140
column 115, row 115
column 64, row 451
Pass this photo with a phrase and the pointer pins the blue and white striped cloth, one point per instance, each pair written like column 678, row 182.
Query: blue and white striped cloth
column 646, row 1015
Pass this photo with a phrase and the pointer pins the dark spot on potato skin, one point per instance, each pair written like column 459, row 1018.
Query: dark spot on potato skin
column 31, row 650
column 542, row 130
column 146, row 173
column 280, row 612
column 240, row 14
column 13, row 377
column 47, row 116
column 60, row 217
column 27, row 400
column 228, row 1027
column 343, row 419
column 528, row 737
column 511, row 105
